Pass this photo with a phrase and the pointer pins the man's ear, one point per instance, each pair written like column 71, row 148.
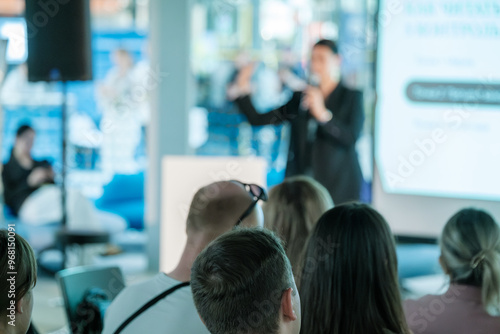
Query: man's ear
column 19, row 306
column 287, row 305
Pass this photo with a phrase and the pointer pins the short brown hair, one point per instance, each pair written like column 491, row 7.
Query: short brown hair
column 215, row 208
column 238, row 282
column 16, row 256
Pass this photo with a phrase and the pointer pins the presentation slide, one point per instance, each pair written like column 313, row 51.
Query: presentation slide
column 438, row 98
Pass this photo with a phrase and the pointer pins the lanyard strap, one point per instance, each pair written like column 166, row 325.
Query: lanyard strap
column 149, row 304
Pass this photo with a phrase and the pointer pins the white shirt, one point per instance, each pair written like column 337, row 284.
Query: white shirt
column 175, row 314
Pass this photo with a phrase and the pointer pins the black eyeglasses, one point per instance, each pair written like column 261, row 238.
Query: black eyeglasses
column 257, row 192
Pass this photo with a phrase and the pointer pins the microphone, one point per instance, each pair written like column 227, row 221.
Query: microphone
column 313, row 81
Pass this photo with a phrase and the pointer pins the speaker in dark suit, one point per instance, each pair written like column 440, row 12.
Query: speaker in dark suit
column 59, row 41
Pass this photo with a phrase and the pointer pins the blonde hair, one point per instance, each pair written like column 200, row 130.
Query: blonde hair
column 470, row 250
column 293, row 208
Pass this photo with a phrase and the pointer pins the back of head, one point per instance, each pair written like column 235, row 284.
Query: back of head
column 238, row 281
column 470, row 249
column 16, row 256
column 216, row 208
column 349, row 282
column 293, row 208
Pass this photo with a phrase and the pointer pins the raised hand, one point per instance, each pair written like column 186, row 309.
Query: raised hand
column 242, row 84
column 315, row 102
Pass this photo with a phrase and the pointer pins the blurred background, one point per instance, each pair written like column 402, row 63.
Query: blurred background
column 161, row 70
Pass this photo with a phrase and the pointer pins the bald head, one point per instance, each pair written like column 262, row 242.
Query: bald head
column 216, row 208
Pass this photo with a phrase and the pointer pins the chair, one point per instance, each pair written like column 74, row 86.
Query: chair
column 74, row 282
column 124, row 196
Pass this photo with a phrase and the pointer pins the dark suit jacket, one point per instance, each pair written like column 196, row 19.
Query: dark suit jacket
column 327, row 151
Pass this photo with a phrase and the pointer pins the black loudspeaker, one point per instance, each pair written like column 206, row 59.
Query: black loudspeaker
column 59, row 40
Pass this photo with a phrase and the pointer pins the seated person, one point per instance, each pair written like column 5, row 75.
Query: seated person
column 22, row 175
column 349, row 281
column 16, row 296
column 215, row 209
column 30, row 192
column 243, row 283
column 470, row 256
column 293, row 208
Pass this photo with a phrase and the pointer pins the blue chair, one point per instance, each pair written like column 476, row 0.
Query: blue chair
column 124, row 196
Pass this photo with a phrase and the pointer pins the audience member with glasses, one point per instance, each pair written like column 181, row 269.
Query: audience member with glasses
column 164, row 304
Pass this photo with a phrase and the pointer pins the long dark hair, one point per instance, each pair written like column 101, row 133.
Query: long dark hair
column 349, row 281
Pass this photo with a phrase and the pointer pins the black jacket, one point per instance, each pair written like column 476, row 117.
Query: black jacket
column 15, row 182
column 327, row 151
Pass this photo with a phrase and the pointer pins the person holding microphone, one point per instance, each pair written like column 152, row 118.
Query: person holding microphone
column 326, row 119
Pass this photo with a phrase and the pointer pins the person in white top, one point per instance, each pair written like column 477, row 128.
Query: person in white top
column 215, row 209
column 119, row 96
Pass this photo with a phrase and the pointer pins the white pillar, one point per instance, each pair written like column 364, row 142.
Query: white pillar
column 168, row 129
